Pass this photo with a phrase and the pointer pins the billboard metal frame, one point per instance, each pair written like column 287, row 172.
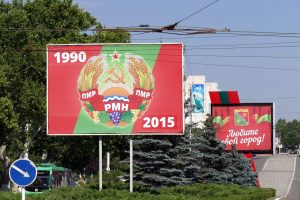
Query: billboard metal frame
column 125, row 134
column 272, row 105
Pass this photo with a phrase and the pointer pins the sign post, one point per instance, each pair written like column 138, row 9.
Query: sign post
column 22, row 172
column 107, row 161
column 131, row 166
column 100, row 163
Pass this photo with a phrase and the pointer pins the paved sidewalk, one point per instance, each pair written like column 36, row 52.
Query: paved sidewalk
column 278, row 173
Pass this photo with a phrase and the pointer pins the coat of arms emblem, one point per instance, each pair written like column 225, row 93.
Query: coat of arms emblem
column 241, row 117
column 115, row 89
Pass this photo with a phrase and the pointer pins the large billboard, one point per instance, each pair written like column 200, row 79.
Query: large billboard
column 106, row 89
column 197, row 98
column 248, row 126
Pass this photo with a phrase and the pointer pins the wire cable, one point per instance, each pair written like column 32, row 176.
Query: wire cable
column 246, row 67
column 246, row 47
column 244, row 56
column 189, row 68
column 201, row 9
column 274, row 98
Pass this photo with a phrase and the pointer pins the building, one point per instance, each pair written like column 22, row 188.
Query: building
column 198, row 89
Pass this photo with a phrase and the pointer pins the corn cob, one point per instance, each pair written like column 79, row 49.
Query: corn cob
column 109, row 124
column 95, row 116
column 135, row 113
column 122, row 124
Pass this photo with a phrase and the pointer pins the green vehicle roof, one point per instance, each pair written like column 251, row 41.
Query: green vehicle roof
column 50, row 166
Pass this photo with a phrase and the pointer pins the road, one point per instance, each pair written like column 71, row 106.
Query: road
column 295, row 187
column 281, row 172
column 260, row 161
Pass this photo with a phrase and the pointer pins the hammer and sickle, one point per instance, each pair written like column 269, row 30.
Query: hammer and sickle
column 118, row 78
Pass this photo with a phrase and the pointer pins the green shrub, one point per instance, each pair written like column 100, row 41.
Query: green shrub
column 112, row 180
column 218, row 191
column 190, row 192
column 67, row 193
column 10, row 196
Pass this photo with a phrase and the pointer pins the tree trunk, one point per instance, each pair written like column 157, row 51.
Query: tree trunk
column 5, row 161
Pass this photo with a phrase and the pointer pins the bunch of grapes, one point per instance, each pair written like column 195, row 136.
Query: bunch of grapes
column 115, row 117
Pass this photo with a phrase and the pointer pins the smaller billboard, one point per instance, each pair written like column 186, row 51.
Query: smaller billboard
column 197, row 98
column 248, row 126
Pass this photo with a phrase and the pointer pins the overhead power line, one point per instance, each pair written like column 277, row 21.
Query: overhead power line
column 169, row 58
column 266, row 32
column 173, row 26
column 194, row 13
column 274, row 98
column 190, row 47
column 244, row 56
column 164, row 29
column 147, row 28
column 247, row 47
column 187, row 60
column 280, row 35
column 245, row 67
column 246, row 44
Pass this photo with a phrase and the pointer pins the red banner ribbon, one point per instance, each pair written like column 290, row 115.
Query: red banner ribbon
column 135, row 100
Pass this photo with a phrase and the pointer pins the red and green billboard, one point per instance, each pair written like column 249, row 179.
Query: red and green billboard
column 248, row 126
column 104, row 89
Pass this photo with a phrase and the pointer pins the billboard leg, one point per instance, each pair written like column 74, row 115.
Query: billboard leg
column 107, row 161
column 131, row 166
column 100, row 163
column 274, row 130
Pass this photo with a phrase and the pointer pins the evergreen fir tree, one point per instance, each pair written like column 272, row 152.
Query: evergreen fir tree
column 155, row 162
column 187, row 151
column 214, row 159
column 207, row 160
column 159, row 161
column 197, row 157
column 188, row 156
column 239, row 169
column 204, row 156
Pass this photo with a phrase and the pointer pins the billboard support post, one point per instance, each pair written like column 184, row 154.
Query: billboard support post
column 274, row 130
column 131, row 165
column 100, row 163
column 107, row 161
column 191, row 118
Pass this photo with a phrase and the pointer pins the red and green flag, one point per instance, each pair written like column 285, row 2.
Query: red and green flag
column 224, row 97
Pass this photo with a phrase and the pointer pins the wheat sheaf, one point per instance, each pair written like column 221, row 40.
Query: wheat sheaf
column 140, row 73
column 90, row 73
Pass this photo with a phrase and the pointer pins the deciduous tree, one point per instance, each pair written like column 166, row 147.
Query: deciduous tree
column 26, row 28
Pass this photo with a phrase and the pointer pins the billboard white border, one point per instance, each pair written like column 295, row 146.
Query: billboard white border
column 124, row 134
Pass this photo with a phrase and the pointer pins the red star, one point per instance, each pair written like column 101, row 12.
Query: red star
column 115, row 56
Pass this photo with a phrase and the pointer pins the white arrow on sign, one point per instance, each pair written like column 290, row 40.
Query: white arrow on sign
column 25, row 174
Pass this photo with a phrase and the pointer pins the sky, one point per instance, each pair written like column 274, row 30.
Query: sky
column 261, row 67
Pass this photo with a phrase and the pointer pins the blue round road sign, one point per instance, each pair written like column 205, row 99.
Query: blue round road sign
column 22, row 172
